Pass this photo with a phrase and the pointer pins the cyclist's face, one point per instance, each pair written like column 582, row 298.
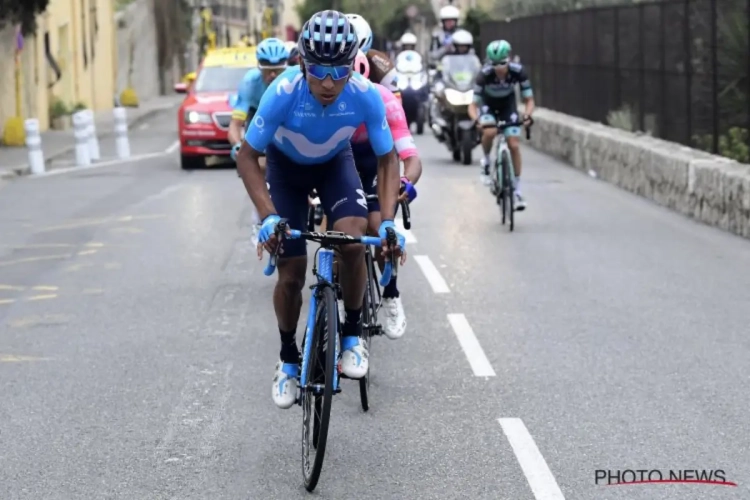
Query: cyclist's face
column 327, row 90
column 501, row 69
column 268, row 74
column 409, row 46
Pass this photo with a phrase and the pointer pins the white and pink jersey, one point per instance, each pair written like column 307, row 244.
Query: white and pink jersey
column 394, row 113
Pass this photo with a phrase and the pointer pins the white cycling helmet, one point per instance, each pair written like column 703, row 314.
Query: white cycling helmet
column 462, row 37
column 408, row 39
column 363, row 31
column 450, row 12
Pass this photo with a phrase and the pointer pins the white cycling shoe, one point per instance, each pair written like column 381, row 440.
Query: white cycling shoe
column 354, row 363
column 520, row 203
column 394, row 325
column 284, row 391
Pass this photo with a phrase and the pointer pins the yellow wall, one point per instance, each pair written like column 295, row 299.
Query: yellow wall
column 70, row 26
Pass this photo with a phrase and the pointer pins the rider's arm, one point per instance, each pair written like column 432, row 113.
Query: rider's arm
column 239, row 111
column 382, row 144
column 478, row 101
column 271, row 113
column 402, row 138
column 527, row 94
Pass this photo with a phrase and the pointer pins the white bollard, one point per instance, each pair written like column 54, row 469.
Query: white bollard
column 81, row 133
column 121, row 133
column 34, row 144
column 93, row 139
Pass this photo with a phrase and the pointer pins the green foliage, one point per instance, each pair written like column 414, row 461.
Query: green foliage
column 22, row 11
column 733, row 144
column 473, row 23
column 58, row 109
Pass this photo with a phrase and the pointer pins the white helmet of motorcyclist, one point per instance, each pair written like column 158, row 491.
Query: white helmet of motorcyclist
column 462, row 42
column 449, row 16
column 408, row 41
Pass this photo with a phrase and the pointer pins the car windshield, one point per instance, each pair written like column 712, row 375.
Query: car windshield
column 220, row 79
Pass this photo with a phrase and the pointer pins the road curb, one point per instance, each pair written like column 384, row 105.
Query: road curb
column 25, row 170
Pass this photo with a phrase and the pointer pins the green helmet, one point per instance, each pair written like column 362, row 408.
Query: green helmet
column 498, row 51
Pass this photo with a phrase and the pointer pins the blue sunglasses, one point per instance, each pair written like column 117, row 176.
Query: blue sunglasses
column 335, row 72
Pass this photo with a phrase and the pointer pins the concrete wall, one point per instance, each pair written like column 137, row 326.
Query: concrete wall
column 711, row 189
column 138, row 64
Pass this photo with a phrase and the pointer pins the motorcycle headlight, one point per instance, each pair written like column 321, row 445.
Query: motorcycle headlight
column 418, row 82
column 402, row 83
column 457, row 98
column 194, row 117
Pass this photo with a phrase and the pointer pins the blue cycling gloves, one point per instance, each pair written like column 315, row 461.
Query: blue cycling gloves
column 235, row 150
column 384, row 234
column 411, row 191
column 268, row 227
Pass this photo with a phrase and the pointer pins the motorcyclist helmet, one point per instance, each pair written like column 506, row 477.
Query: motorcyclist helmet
column 462, row 42
column 271, row 53
column 363, row 31
column 408, row 41
column 449, row 16
column 328, row 39
column 498, row 52
column 361, row 64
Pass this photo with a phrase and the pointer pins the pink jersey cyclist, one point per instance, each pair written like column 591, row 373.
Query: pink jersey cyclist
column 367, row 164
column 402, row 138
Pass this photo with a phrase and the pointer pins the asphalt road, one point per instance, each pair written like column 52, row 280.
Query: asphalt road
column 137, row 344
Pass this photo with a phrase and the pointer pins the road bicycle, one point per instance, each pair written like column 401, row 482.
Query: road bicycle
column 319, row 375
column 502, row 174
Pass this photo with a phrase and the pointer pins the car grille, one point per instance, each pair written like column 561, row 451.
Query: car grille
column 223, row 120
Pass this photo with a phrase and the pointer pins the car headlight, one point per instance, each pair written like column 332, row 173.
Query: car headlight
column 194, row 117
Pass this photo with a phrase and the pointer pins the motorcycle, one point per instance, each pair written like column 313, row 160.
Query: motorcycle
column 412, row 82
column 449, row 112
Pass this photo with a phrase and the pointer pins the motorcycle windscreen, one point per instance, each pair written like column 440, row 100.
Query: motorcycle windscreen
column 460, row 70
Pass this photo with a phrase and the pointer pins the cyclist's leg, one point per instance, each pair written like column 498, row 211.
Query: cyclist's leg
column 394, row 325
column 343, row 199
column 288, row 184
column 513, row 136
column 489, row 131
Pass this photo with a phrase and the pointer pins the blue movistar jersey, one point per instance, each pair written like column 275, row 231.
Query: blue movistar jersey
column 290, row 118
column 249, row 94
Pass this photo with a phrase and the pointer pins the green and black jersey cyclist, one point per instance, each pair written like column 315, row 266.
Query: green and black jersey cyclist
column 494, row 100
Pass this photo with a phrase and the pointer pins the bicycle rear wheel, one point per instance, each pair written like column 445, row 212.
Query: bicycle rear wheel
column 317, row 396
column 370, row 326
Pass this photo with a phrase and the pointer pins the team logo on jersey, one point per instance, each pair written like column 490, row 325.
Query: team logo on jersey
column 342, row 106
column 287, row 86
column 385, row 123
column 259, row 121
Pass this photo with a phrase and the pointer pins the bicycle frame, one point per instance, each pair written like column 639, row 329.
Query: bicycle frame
column 324, row 274
column 502, row 145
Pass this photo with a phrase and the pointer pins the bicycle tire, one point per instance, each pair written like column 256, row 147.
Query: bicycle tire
column 508, row 188
column 325, row 335
column 369, row 315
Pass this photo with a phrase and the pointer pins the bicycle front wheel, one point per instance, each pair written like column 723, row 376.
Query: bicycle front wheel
column 369, row 322
column 317, row 396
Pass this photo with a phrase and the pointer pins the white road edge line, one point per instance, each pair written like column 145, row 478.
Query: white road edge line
column 534, row 467
column 172, row 148
column 109, row 163
column 480, row 365
column 436, row 281
column 408, row 235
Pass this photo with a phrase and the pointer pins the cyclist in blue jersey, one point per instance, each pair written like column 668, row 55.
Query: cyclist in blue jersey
column 304, row 123
column 272, row 58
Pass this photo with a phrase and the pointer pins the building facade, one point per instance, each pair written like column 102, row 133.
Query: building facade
column 71, row 57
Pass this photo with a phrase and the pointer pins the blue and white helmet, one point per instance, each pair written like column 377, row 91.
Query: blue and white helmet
column 328, row 39
column 363, row 30
column 271, row 52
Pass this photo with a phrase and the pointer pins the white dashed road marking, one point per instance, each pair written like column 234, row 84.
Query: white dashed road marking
column 534, row 467
column 436, row 281
column 480, row 365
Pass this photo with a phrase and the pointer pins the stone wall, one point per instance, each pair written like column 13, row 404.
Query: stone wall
column 138, row 63
column 709, row 188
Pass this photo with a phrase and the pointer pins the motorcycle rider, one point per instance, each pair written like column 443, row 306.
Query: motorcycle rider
column 441, row 38
column 495, row 100
column 408, row 41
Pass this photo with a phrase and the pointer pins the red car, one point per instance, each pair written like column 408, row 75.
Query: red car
column 205, row 114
